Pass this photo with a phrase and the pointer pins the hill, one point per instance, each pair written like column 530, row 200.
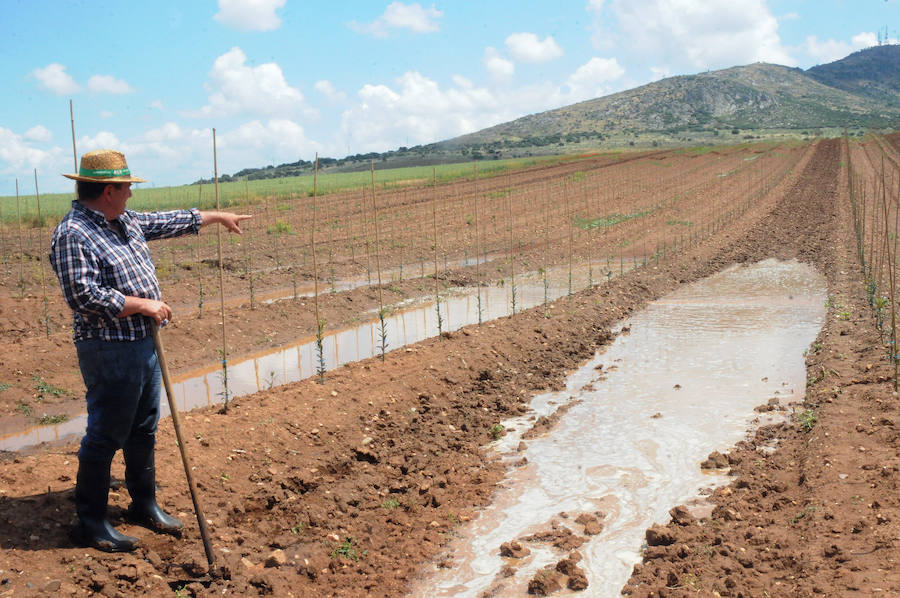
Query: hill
column 860, row 91
column 873, row 72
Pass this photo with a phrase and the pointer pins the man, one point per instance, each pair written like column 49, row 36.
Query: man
column 100, row 255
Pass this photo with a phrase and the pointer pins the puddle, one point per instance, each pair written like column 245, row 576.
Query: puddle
column 679, row 383
column 406, row 325
column 407, row 272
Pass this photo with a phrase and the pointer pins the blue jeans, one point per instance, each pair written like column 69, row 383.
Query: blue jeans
column 123, row 383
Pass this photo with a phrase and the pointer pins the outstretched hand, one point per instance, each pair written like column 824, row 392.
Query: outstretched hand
column 227, row 219
column 232, row 221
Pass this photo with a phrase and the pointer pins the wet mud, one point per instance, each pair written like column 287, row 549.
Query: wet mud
column 355, row 487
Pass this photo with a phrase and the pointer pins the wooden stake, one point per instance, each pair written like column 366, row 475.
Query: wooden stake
column 197, row 256
column 320, row 325
column 176, row 424
column 890, row 260
column 509, row 248
column 221, row 281
column 74, row 153
column 21, row 250
column 569, row 219
column 37, row 195
column 437, row 294
column 477, row 249
column 383, row 332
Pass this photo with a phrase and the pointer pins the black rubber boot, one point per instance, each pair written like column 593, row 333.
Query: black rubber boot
column 140, row 477
column 91, row 494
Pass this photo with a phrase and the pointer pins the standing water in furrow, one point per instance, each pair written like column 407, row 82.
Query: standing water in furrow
column 682, row 380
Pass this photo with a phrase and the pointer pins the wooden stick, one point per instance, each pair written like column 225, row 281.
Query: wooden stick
column 569, row 219
column 509, row 247
column 248, row 265
column 201, row 520
column 197, row 256
column 37, row 195
column 320, row 369
column 437, row 294
column 477, row 248
column 890, row 259
column 72, row 118
column 221, row 279
column 21, row 250
column 383, row 332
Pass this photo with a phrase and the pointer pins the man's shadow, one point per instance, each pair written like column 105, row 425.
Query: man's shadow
column 47, row 521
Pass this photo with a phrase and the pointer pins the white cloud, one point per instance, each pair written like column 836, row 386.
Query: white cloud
column 249, row 15
column 156, row 105
column 168, row 132
column 108, row 84
column 527, row 47
column 496, row 65
column 867, row 39
column 102, row 140
column 418, row 111
column 327, row 89
column 55, row 78
column 660, row 72
column 38, row 133
column 829, row 50
column 106, row 114
column 692, row 34
column 398, row 15
column 236, row 88
column 590, row 79
column 20, row 157
column 274, row 142
column 462, row 82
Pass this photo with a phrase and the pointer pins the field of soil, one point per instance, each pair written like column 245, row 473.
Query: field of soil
column 353, row 487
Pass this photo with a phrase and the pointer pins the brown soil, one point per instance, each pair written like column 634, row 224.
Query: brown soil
column 352, row 487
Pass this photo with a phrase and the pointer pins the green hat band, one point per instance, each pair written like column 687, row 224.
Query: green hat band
column 102, row 173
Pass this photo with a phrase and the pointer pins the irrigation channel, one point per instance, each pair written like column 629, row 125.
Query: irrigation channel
column 683, row 380
column 406, row 325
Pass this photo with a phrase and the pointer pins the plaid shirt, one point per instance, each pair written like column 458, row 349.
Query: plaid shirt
column 98, row 266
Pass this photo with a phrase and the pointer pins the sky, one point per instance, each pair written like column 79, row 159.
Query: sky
column 280, row 80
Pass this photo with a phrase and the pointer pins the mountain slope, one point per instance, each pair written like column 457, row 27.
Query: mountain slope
column 873, row 72
column 756, row 96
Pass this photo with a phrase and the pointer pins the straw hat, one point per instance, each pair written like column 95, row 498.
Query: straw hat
column 104, row 166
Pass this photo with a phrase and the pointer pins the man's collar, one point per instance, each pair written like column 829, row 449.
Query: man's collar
column 93, row 214
column 99, row 217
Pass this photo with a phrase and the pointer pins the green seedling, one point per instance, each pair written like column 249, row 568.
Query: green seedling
column 808, row 510
column 347, row 549
column 391, row 503
column 807, row 420
column 270, row 380
column 496, row 431
column 279, row 228
column 51, row 420
column 45, row 389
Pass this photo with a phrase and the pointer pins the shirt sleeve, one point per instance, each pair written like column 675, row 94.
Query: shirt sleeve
column 164, row 225
column 78, row 270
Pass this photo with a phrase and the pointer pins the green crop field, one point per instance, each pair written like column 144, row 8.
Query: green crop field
column 54, row 206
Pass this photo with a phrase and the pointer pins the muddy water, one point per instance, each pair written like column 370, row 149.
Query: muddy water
column 406, row 324
column 681, row 381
